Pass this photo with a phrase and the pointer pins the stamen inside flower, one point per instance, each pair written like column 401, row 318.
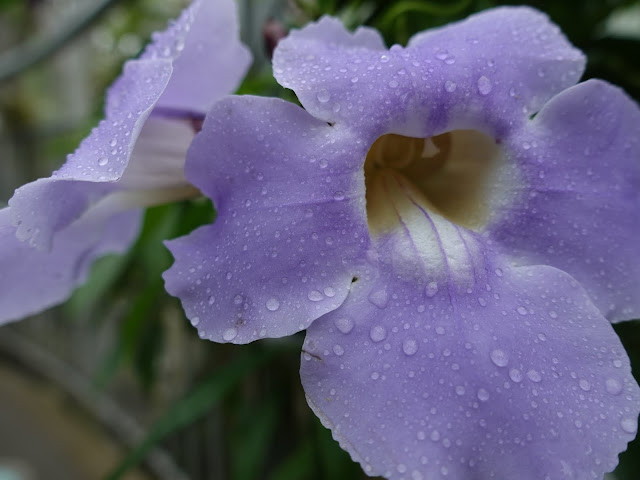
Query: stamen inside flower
column 451, row 175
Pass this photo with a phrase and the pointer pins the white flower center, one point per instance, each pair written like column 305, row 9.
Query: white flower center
column 427, row 196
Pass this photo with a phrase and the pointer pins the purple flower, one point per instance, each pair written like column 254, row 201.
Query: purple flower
column 55, row 227
column 453, row 258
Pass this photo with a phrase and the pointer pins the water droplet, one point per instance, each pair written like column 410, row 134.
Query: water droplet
column 102, row 161
column 273, row 304
column 338, row 350
column 379, row 298
column 460, row 390
column 499, row 357
column 409, row 346
column 431, row 289
column 384, row 58
column 435, row 435
column 401, row 468
column 338, row 196
column 323, row 95
column 315, row 296
column 484, row 85
column 378, row 333
column 515, row 375
column 113, row 142
column 450, row 86
column 584, row 385
column 629, row 425
column 522, row 310
column 534, row 376
column 237, row 299
column 393, row 83
column 345, row 325
column 553, row 314
column 499, row 272
column 483, row 395
column 212, row 300
column 195, row 321
column 229, row 334
column 614, row 387
column 329, row 292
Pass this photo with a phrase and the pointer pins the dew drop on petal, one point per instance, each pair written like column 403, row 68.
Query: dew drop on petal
column 229, row 334
column 409, row 346
column 378, row 333
column 212, row 300
column 102, row 161
column 613, row 386
column 522, row 310
column 195, row 321
column 499, row 357
column 379, row 298
column 338, row 350
column 515, row 375
column 431, row 289
column 483, row 395
column 323, row 95
column 450, row 86
column 273, row 304
column 315, row 296
column 584, row 385
column 484, row 85
column 534, row 376
column 629, row 425
column 344, row 324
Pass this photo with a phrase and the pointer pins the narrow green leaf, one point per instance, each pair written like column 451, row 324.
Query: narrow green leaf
column 298, row 465
column 191, row 408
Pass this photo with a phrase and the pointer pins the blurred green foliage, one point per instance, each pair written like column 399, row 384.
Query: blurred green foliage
column 253, row 391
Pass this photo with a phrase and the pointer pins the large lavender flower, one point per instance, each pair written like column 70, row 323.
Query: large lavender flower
column 55, row 227
column 453, row 258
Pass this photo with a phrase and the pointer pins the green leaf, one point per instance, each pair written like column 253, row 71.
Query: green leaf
column 257, row 428
column 298, row 465
column 193, row 407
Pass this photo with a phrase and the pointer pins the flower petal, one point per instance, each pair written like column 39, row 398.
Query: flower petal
column 581, row 158
column 519, row 376
column 510, row 59
column 31, row 280
column 499, row 66
column 210, row 60
column 289, row 194
column 48, row 205
column 338, row 75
